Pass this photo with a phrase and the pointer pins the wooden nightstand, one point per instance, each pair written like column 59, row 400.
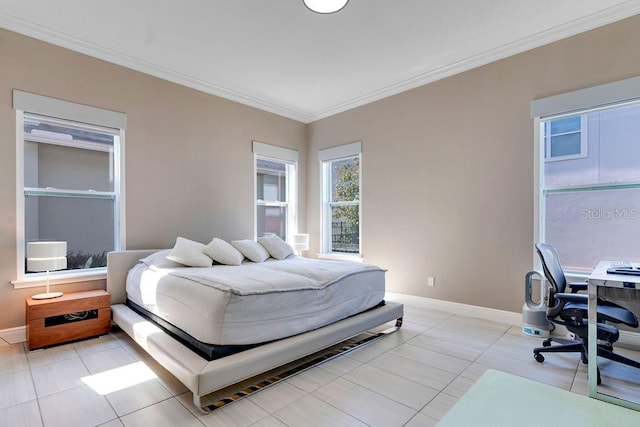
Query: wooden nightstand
column 70, row 317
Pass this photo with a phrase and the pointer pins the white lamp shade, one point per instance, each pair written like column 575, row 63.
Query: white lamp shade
column 325, row 6
column 301, row 242
column 46, row 256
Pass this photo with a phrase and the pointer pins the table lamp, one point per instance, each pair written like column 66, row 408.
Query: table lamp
column 300, row 243
column 46, row 256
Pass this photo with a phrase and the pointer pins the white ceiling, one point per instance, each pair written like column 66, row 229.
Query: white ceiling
column 278, row 56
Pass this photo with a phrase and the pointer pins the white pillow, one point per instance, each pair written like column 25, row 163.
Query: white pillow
column 251, row 249
column 277, row 248
column 159, row 259
column 189, row 253
column 223, row 252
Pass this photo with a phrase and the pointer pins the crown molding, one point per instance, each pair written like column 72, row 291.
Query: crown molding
column 29, row 29
column 613, row 14
column 573, row 28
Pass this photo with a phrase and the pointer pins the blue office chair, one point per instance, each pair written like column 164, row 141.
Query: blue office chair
column 571, row 311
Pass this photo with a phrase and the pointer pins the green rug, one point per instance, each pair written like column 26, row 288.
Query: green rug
column 500, row 399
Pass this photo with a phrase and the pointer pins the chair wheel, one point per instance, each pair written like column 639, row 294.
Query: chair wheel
column 539, row 358
column 546, row 343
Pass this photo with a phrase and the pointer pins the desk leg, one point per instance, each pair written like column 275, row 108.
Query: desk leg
column 592, row 340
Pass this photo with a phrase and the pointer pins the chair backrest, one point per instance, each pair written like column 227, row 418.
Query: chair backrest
column 551, row 266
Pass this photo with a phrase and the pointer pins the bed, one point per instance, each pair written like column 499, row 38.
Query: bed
column 284, row 341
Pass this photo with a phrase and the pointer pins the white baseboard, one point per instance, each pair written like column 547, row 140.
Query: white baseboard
column 627, row 338
column 485, row 313
column 13, row 335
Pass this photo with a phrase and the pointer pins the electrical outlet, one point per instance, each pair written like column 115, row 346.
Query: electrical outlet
column 431, row 281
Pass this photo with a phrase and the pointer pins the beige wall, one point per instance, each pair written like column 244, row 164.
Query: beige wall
column 448, row 168
column 189, row 165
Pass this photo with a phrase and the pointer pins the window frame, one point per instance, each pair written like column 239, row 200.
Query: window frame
column 326, row 158
column 65, row 111
column 289, row 158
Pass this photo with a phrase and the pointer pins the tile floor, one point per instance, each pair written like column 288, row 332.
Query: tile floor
column 410, row 378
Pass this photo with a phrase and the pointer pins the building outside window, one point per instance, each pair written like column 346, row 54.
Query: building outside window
column 341, row 171
column 565, row 138
column 591, row 196
column 273, row 197
column 69, row 181
column 276, row 194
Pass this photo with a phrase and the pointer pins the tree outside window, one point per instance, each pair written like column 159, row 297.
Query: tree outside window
column 345, row 205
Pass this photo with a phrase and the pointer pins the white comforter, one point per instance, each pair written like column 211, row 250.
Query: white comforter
column 256, row 302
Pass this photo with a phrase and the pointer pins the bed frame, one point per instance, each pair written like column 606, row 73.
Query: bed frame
column 203, row 377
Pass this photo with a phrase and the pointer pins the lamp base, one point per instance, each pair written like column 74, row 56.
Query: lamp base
column 47, row 295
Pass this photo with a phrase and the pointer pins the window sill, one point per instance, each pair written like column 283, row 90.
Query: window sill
column 35, row 280
column 341, row 257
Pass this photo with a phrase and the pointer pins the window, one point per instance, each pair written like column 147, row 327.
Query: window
column 276, row 207
column 68, row 183
column 589, row 206
column 565, row 138
column 341, row 199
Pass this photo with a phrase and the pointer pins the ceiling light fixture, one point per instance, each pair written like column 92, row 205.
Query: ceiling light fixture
column 325, row 6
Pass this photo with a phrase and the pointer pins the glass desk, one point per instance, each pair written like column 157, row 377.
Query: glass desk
column 610, row 286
